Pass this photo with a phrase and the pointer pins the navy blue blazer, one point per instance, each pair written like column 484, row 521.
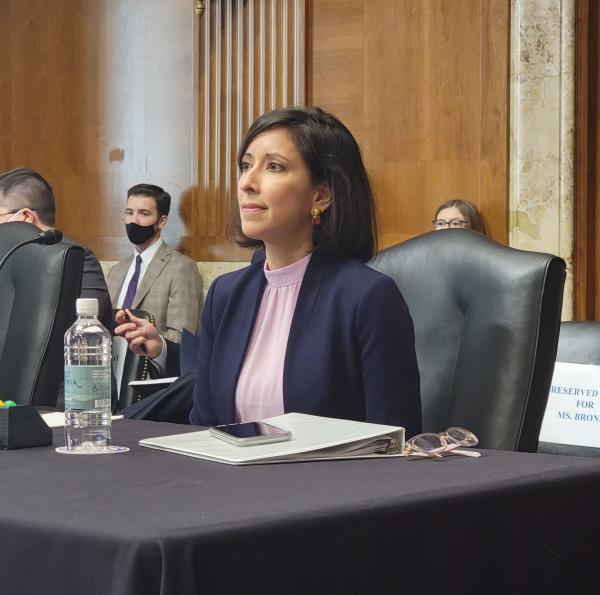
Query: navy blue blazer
column 350, row 352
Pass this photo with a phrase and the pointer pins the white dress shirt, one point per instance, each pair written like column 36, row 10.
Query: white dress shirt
column 147, row 255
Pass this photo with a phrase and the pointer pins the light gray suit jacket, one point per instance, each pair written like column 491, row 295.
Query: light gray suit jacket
column 171, row 290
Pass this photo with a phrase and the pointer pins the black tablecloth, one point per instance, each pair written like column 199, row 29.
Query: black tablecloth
column 149, row 522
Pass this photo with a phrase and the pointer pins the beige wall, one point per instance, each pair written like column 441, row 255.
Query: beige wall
column 209, row 271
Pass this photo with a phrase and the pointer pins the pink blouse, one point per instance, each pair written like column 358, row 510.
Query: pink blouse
column 259, row 391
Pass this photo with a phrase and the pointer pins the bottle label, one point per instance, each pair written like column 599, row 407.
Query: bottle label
column 87, row 387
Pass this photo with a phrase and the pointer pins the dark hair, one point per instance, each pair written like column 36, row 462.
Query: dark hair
column 161, row 198
column 348, row 227
column 24, row 188
column 467, row 210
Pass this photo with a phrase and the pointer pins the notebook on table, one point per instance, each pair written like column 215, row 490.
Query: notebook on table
column 313, row 438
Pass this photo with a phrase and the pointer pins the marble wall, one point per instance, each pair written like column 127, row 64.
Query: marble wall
column 541, row 131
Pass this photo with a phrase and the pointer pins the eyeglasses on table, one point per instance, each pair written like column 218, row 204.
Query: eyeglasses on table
column 435, row 446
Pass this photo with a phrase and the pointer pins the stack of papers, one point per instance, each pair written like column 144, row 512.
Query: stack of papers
column 313, row 438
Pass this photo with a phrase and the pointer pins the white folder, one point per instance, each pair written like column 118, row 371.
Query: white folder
column 313, row 438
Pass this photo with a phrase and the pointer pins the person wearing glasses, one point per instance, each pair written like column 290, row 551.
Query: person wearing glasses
column 458, row 214
column 25, row 195
column 307, row 326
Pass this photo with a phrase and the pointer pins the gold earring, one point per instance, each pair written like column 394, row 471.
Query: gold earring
column 316, row 216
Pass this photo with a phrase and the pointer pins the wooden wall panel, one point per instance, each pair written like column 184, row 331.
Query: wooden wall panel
column 98, row 96
column 424, row 88
column 251, row 61
column 587, row 160
column 101, row 95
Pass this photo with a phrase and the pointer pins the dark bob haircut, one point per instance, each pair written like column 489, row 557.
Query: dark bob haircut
column 348, row 227
column 161, row 198
column 469, row 212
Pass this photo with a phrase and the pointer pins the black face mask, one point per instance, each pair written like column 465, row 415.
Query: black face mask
column 138, row 234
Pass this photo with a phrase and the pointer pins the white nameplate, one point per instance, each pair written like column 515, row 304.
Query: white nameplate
column 573, row 410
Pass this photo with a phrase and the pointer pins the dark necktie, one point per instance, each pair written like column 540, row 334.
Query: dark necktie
column 133, row 283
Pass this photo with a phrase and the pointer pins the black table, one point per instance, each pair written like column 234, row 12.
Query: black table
column 151, row 522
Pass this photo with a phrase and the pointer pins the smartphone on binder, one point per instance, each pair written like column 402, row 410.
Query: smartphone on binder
column 249, row 433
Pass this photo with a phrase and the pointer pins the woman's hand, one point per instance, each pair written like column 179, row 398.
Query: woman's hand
column 141, row 335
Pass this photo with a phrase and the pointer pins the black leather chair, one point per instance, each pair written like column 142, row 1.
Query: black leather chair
column 134, row 367
column 39, row 286
column 486, row 323
column 578, row 343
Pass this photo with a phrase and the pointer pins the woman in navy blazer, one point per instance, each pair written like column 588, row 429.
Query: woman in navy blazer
column 303, row 190
column 350, row 352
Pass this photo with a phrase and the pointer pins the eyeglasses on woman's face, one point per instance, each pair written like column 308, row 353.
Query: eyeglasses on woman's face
column 452, row 223
column 436, row 445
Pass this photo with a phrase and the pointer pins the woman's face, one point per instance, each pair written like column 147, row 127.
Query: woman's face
column 450, row 217
column 276, row 194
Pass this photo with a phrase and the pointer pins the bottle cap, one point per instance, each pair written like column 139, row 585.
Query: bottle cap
column 87, row 306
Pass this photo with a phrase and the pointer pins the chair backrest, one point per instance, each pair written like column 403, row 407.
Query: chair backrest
column 486, row 324
column 130, row 367
column 578, row 343
column 39, row 286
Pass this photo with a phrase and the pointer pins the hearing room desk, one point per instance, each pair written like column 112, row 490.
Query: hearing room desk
column 151, row 522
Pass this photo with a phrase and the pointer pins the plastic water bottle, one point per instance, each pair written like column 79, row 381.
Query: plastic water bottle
column 87, row 382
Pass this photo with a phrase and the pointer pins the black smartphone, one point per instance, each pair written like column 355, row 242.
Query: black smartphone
column 250, row 433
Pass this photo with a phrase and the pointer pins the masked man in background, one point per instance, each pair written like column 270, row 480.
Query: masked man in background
column 155, row 278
